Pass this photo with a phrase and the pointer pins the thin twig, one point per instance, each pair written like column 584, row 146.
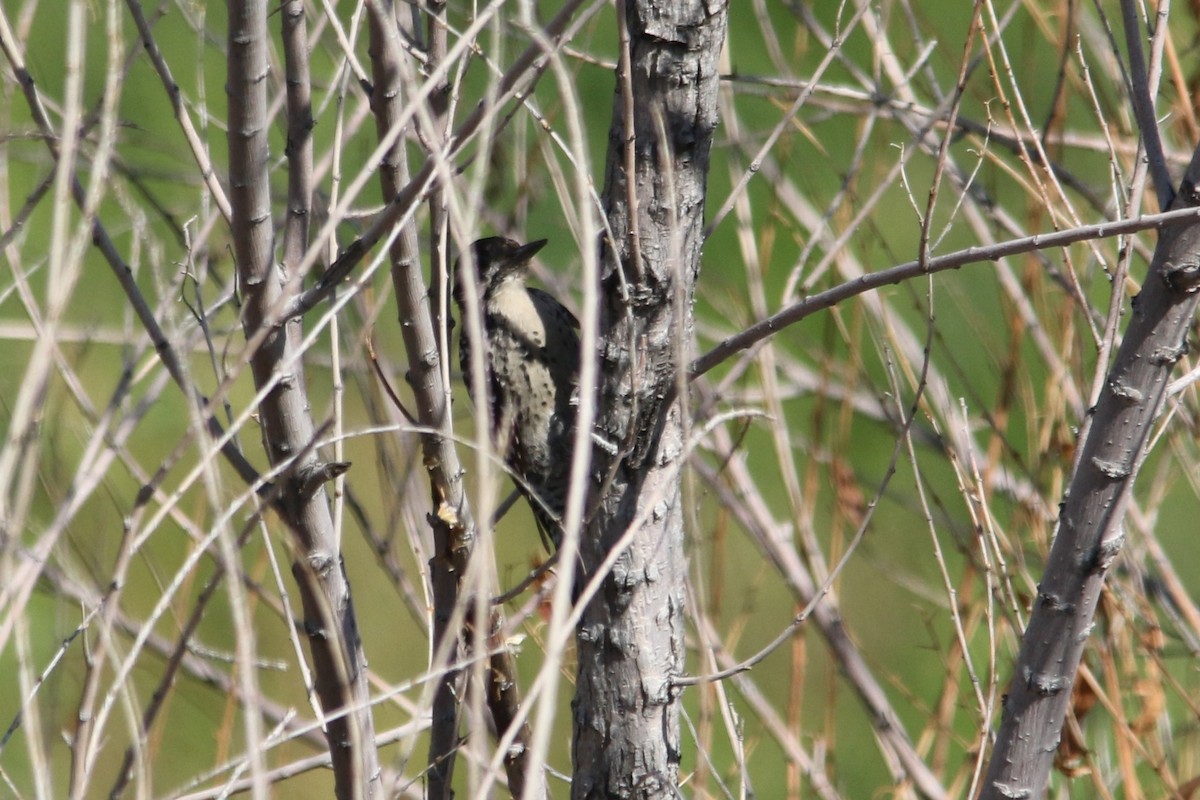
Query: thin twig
column 911, row 269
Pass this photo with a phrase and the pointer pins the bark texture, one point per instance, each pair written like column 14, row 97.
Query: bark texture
column 630, row 639
column 287, row 426
column 1091, row 522
column 451, row 522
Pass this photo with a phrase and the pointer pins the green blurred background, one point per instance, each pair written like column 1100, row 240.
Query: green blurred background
column 837, row 151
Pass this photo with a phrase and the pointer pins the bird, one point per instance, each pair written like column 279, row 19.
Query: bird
column 531, row 368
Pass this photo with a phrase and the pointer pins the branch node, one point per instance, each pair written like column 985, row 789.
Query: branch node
column 1103, row 554
column 314, row 630
column 313, row 477
column 1182, row 276
column 1044, row 684
column 1054, row 602
column 1012, row 792
column 1116, row 470
column 1167, row 355
column 1126, row 392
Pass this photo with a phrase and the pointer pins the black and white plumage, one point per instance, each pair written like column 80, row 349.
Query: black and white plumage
column 531, row 365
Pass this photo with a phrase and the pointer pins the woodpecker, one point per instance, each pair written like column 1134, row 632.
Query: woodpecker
column 531, row 366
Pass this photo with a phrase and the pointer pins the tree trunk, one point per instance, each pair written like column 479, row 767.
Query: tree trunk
column 630, row 639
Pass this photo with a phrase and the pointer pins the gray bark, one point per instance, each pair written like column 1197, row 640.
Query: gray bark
column 451, row 522
column 1090, row 528
column 287, row 426
column 630, row 638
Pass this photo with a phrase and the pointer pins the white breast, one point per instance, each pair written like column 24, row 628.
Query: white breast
column 513, row 302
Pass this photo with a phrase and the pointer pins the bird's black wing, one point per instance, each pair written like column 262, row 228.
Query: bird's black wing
column 550, row 301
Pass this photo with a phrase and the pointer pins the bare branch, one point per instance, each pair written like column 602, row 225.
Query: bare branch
column 330, row 621
column 1091, row 529
column 911, row 269
column 1143, row 105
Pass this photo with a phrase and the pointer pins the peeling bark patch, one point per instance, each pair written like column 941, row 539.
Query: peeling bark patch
column 621, row 642
column 590, row 633
column 655, row 690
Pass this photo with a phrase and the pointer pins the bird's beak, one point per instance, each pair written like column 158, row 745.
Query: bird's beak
column 527, row 251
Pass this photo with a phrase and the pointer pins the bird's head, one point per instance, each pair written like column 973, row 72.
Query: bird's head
column 497, row 258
